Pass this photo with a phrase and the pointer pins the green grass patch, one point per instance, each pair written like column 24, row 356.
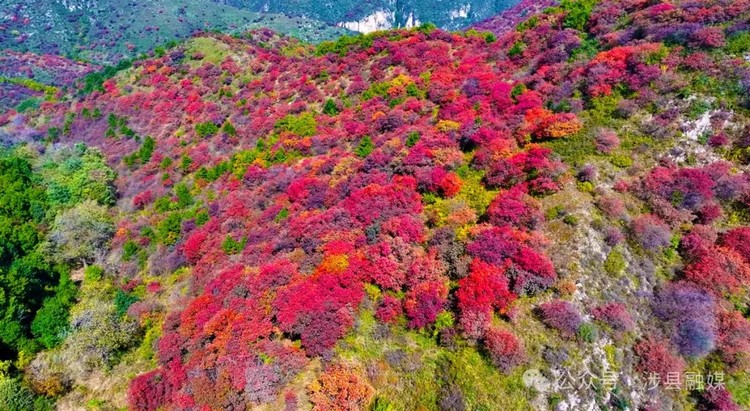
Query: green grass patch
column 473, row 191
column 739, row 386
column 365, row 147
column 213, row 51
column 344, row 44
column 615, row 263
column 574, row 150
column 49, row 91
column 303, row 125
column 414, row 372
column 738, row 43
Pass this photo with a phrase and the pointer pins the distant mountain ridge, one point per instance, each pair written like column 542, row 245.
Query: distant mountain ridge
column 508, row 19
column 383, row 14
column 106, row 31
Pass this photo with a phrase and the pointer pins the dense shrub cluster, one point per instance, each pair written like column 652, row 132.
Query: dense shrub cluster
column 340, row 388
column 482, row 292
column 614, row 315
column 680, row 195
column 399, row 172
column 717, row 399
column 656, row 358
column 562, row 316
column 504, row 348
column 688, row 313
column 51, row 220
column 715, row 267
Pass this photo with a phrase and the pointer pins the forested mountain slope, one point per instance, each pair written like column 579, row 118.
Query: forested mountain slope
column 106, row 31
column 550, row 217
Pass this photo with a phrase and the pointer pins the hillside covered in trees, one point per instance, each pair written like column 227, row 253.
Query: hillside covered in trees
column 554, row 215
column 108, row 31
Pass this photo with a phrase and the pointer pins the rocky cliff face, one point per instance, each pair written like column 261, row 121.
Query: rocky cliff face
column 369, row 16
